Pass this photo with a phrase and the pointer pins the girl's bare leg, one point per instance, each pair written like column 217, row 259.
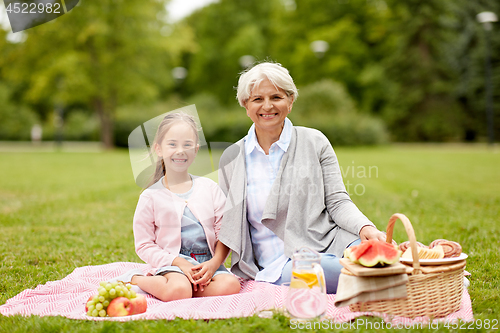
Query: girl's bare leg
column 168, row 287
column 222, row 284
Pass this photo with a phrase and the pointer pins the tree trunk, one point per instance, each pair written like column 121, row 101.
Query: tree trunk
column 106, row 121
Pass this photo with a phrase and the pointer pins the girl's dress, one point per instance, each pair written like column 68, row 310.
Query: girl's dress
column 194, row 246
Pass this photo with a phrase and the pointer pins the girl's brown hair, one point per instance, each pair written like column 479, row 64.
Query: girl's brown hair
column 165, row 125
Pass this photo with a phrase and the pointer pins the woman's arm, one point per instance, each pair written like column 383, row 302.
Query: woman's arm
column 339, row 205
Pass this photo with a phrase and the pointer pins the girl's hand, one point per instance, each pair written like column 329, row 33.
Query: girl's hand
column 204, row 272
column 186, row 267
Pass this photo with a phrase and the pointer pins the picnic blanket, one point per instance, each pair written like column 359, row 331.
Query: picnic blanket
column 67, row 298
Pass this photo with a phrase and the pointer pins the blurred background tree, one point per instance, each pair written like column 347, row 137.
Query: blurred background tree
column 100, row 56
column 401, row 71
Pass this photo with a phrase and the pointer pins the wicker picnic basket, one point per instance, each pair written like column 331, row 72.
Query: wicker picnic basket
column 434, row 291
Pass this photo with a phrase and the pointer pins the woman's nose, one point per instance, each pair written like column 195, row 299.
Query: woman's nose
column 267, row 104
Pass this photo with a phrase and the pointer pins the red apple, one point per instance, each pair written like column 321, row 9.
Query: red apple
column 119, row 307
column 139, row 304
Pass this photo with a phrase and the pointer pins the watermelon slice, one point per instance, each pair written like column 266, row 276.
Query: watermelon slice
column 371, row 253
column 356, row 251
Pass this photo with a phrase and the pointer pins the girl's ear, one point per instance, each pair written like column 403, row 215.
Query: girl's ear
column 196, row 149
column 158, row 150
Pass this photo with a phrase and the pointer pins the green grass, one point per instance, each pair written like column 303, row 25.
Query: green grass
column 59, row 211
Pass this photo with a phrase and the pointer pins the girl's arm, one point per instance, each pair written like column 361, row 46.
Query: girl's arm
column 146, row 246
column 206, row 270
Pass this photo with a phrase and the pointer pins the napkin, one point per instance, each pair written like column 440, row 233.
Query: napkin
column 353, row 289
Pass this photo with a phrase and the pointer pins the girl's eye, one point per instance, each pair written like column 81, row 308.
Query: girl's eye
column 171, row 144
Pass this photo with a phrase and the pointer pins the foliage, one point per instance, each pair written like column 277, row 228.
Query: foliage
column 81, row 126
column 16, row 120
column 424, row 92
column 220, row 123
column 101, row 55
column 416, row 65
column 467, row 56
column 59, row 211
column 326, row 106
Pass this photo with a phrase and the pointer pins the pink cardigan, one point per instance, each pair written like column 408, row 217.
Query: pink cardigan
column 157, row 220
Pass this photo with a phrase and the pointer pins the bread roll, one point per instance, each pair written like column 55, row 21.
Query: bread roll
column 451, row 249
column 405, row 245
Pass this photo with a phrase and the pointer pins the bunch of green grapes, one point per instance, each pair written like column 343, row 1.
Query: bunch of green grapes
column 96, row 305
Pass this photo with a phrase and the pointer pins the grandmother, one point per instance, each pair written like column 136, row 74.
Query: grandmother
column 284, row 188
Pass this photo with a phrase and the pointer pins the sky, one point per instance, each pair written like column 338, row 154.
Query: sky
column 181, row 8
column 177, row 9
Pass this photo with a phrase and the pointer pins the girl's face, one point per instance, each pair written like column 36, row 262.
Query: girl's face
column 178, row 148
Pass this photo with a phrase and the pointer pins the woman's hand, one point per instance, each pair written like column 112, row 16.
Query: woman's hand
column 204, row 272
column 370, row 232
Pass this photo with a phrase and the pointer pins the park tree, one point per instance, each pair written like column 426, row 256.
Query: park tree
column 469, row 48
column 417, row 64
column 225, row 31
column 421, row 103
column 100, row 55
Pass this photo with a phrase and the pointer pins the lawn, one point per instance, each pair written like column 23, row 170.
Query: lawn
column 62, row 210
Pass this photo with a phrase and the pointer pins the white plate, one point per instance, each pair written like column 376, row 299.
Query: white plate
column 443, row 261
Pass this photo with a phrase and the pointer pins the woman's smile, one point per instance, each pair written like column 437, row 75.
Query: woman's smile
column 268, row 115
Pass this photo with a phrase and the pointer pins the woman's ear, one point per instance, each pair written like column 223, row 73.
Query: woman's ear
column 292, row 99
column 245, row 103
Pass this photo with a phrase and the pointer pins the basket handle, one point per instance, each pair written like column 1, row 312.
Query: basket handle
column 411, row 237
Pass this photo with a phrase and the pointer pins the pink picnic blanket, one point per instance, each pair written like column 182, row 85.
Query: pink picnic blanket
column 67, row 298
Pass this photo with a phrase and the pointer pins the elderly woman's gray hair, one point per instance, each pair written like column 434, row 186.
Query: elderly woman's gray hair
column 274, row 72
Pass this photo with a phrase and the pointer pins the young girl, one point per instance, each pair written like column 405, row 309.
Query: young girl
column 177, row 220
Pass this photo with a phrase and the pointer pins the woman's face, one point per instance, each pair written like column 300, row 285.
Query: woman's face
column 268, row 106
column 178, row 148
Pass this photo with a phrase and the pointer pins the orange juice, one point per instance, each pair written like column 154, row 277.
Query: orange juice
column 310, row 279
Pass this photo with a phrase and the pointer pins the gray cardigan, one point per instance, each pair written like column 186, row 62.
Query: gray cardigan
column 308, row 204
